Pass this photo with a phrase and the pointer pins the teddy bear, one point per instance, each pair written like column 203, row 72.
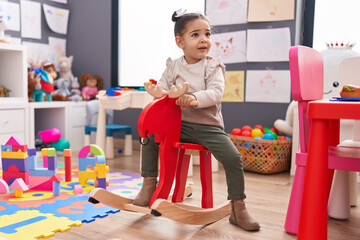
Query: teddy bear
column 62, row 92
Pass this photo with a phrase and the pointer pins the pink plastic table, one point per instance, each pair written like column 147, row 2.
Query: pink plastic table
column 325, row 116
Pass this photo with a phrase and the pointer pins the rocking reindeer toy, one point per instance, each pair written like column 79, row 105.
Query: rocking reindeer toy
column 162, row 117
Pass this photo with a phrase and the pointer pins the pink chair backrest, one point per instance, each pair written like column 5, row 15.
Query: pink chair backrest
column 307, row 84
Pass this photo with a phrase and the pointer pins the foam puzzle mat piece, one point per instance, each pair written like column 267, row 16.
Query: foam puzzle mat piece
column 32, row 224
column 6, row 209
column 77, row 208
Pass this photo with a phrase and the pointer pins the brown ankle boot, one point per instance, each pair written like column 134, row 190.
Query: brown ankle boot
column 240, row 217
column 147, row 190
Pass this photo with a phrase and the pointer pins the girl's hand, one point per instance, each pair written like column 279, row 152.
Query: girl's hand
column 186, row 100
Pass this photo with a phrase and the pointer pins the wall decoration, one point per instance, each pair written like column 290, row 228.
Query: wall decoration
column 56, row 18
column 11, row 13
column 234, row 87
column 223, row 12
column 271, row 10
column 30, row 19
column 268, row 86
column 268, row 45
column 230, row 46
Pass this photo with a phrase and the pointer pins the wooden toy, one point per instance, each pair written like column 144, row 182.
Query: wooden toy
column 162, row 117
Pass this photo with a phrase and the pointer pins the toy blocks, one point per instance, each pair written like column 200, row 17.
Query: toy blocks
column 67, row 156
column 98, row 162
column 14, row 160
column 50, row 169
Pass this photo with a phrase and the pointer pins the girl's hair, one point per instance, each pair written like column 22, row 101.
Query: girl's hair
column 182, row 21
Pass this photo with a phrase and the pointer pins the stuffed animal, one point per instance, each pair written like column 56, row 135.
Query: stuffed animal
column 62, row 93
column 90, row 84
column 33, row 84
column 75, row 93
column 65, row 65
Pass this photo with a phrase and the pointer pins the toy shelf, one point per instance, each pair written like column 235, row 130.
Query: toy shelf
column 13, row 72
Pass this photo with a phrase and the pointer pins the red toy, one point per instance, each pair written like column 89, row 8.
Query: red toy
column 247, row 127
column 258, row 126
column 236, row 131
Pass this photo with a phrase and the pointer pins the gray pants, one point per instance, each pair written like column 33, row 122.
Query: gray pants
column 218, row 143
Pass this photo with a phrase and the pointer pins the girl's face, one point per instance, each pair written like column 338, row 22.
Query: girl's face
column 195, row 41
column 91, row 82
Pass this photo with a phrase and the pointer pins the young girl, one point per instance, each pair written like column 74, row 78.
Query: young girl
column 202, row 124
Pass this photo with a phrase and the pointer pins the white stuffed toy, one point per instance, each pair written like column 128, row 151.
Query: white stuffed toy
column 65, row 65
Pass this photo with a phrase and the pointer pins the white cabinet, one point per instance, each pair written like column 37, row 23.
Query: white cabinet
column 14, row 113
column 13, row 72
column 14, row 119
column 68, row 117
column 25, row 120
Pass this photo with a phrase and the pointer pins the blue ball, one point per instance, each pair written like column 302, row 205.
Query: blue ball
column 268, row 136
column 257, row 137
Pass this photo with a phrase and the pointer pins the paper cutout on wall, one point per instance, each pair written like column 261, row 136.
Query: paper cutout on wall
column 268, row 45
column 234, row 87
column 30, row 19
column 37, row 52
column 57, row 49
column 230, row 46
column 56, row 18
column 271, row 10
column 226, row 12
column 268, row 86
column 11, row 13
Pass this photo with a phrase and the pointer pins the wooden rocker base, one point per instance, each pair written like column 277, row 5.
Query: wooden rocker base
column 178, row 212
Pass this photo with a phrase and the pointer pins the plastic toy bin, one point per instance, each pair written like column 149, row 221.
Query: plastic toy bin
column 263, row 156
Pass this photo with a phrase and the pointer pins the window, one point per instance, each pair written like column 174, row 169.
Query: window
column 336, row 21
column 146, row 38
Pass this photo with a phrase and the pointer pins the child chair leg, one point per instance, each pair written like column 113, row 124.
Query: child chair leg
column 87, row 140
column 353, row 189
column 181, row 176
column 206, row 179
column 128, row 145
column 339, row 199
column 109, row 148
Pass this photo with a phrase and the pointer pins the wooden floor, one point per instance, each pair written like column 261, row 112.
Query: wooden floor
column 267, row 200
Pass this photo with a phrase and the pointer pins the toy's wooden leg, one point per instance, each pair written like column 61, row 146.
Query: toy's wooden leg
column 181, row 176
column 168, row 156
column 206, row 179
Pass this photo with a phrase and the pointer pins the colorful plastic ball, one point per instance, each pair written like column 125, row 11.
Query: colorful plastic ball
column 287, row 137
column 256, row 132
column 281, row 138
column 258, row 126
column 258, row 137
column 266, row 128
column 245, row 133
column 246, row 127
column 274, row 130
column 268, row 136
column 236, row 131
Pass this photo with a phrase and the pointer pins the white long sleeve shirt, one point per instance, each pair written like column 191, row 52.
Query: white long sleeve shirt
column 206, row 80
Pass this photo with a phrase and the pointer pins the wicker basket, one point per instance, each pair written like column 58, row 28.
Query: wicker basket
column 263, row 156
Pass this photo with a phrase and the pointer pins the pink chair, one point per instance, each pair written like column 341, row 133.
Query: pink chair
column 306, row 70
column 307, row 73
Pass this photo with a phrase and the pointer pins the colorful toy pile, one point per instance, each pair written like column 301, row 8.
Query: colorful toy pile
column 39, row 202
column 258, row 132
